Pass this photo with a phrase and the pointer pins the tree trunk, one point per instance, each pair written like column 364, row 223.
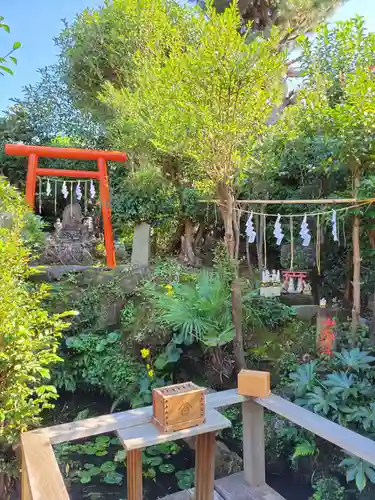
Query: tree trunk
column 356, row 311
column 187, row 242
column 231, row 227
column 237, row 322
column 259, row 241
column 198, row 236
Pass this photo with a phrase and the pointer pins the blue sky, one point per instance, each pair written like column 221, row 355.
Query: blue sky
column 35, row 22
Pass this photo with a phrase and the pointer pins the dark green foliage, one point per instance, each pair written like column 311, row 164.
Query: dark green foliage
column 99, row 361
column 328, row 488
column 341, row 389
column 145, row 196
column 234, row 414
column 83, row 472
column 185, row 478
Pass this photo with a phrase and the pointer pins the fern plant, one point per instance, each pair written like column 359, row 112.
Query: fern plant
column 305, row 448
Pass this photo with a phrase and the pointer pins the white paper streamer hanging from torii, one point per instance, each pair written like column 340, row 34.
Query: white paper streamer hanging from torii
column 250, row 232
column 334, row 226
column 305, row 232
column 278, row 232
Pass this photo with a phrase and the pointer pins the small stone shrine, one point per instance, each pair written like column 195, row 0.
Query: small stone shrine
column 73, row 241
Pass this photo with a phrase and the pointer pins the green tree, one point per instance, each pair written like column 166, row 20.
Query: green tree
column 8, row 57
column 49, row 106
column 208, row 97
column 326, row 142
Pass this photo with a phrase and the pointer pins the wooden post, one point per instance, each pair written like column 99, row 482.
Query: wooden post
column 205, row 466
column 25, row 487
column 134, row 475
column 356, row 311
column 253, row 443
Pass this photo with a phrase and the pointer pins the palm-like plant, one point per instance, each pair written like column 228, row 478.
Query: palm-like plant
column 200, row 310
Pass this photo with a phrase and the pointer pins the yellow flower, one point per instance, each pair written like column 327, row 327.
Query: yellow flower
column 145, row 353
column 169, row 290
column 150, row 373
column 148, row 366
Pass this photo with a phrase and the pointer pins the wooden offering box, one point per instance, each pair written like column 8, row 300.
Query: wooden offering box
column 254, row 383
column 178, row 407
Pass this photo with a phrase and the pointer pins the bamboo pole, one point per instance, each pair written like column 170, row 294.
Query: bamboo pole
column 328, row 201
column 356, row 311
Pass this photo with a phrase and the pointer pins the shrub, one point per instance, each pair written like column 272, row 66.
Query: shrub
column 29, row 335
column 341, row 389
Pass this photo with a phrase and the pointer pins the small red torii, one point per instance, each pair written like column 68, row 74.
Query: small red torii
column 101, row 157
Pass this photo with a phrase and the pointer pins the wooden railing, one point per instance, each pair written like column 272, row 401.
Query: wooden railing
column 42, row 480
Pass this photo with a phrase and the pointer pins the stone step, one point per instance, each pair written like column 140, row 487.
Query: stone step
column 232, row 488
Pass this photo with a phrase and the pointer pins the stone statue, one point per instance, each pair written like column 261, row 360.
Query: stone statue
column 88, row 223
column 58, row 227
column 291, row 288
column 72, row 217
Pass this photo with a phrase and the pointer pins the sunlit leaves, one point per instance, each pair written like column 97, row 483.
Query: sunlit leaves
column 29, row 336
column 4, row 68
column 203, row 92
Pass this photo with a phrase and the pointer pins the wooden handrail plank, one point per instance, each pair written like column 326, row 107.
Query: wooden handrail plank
column 122, row 420
column 40, row 465
column 346, row 439
column 342, row 437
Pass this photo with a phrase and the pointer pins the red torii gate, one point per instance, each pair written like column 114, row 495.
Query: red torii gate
column 101, row 157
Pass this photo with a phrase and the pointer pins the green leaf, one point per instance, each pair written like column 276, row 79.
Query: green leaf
column 102, row 440
column 154, row 461
column 120, row 456
column 85, row 476
column 13, row 59
column 113, row 337
column 16, row 45
column 5, row 27
column 304, row 378
column 7, row 70
column 113, row 478
column 108, row 466
column 360, row 479
column 167, row 468
column 304, row 449
column 355, row 359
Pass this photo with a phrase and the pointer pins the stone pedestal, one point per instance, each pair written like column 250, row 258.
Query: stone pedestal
column 141, row 245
